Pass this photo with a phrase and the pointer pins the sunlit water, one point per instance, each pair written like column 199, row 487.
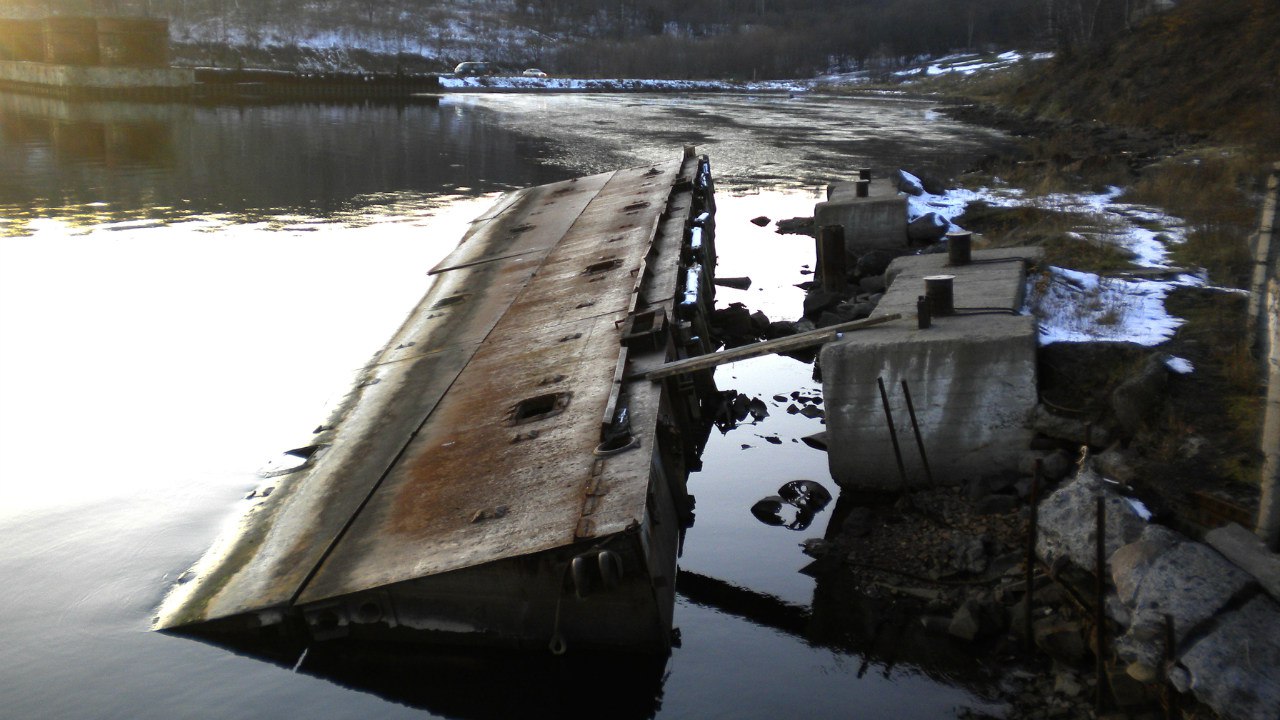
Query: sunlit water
column 183, row 289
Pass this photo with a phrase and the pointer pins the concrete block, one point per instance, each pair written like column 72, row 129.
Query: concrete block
column 876, row 221
column 972, row 380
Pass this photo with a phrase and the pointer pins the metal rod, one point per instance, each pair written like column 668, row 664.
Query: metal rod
column 915, row 427
column 754, row 350
column 1032, row 530
column 1170, row 697
column 893, row 433
column 1099, row 606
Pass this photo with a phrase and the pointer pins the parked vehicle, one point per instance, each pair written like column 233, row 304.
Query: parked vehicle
column 475, row 68
column 534, row 72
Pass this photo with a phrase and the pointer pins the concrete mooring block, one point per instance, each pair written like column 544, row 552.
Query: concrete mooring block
column 971, row 378
column 878, row 220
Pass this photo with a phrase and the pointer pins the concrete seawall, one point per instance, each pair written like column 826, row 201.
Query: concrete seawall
column 971, row 377
column 76, row 80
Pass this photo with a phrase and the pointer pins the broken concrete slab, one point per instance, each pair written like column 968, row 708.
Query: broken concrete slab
column 1189, row 583
column 1233, row 668
column 1248, row 553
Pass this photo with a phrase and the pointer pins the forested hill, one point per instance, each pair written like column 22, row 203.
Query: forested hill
column 1207, row 68
column 656, row 38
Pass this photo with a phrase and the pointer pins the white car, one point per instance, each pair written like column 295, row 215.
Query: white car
column 534, row 72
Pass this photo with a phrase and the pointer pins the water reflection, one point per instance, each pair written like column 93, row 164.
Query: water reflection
column 124, row 160
column 484, row 686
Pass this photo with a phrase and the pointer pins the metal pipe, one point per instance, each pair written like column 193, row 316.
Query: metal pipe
column 1099, row 607
column 893, row 433
column 915, row 427
column 1032, row 531
column 862, row 188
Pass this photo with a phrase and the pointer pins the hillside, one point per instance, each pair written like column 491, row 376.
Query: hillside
column 767, row 39
column 1208, row 68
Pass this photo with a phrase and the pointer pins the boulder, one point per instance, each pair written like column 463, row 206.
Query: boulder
column 875, row 262
column 928, row 228
column 1130, row 563
column 1076, row 430
column 819, row 300
column 1060, row 639
column 780, row 328
column 933, row 185
column 1117, row 463
column 872, row 284
column 907, row 183
column 1067, row 525
column 968, row 554
column 1053, row 466
column 972, row 620
column 1140, row 394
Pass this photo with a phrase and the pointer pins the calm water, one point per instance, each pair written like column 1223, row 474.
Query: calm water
column 183, row 289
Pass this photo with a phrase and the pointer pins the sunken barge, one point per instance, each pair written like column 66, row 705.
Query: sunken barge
column 502, row 475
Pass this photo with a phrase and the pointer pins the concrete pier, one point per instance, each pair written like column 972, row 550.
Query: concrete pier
column 96, row 81
column 971, row 376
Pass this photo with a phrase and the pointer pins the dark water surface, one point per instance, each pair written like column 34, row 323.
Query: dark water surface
column 182, row 289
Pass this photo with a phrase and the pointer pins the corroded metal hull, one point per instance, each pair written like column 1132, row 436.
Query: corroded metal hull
column 495, row 478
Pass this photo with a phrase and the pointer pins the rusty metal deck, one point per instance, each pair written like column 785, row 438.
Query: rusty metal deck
column 471, row 437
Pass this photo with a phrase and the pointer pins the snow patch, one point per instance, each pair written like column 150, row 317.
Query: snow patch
column 1076, row 306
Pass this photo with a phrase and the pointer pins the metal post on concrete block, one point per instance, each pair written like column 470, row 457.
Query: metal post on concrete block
column 893, row 433
column 915, row 427
column 831, row 258
column 862, row 188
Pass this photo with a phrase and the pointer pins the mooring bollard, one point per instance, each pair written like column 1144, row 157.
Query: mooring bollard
column 863, row 188
column 958, row 247
column 938, row 291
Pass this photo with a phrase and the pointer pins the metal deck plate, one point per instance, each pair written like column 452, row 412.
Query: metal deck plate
column 423, row 469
